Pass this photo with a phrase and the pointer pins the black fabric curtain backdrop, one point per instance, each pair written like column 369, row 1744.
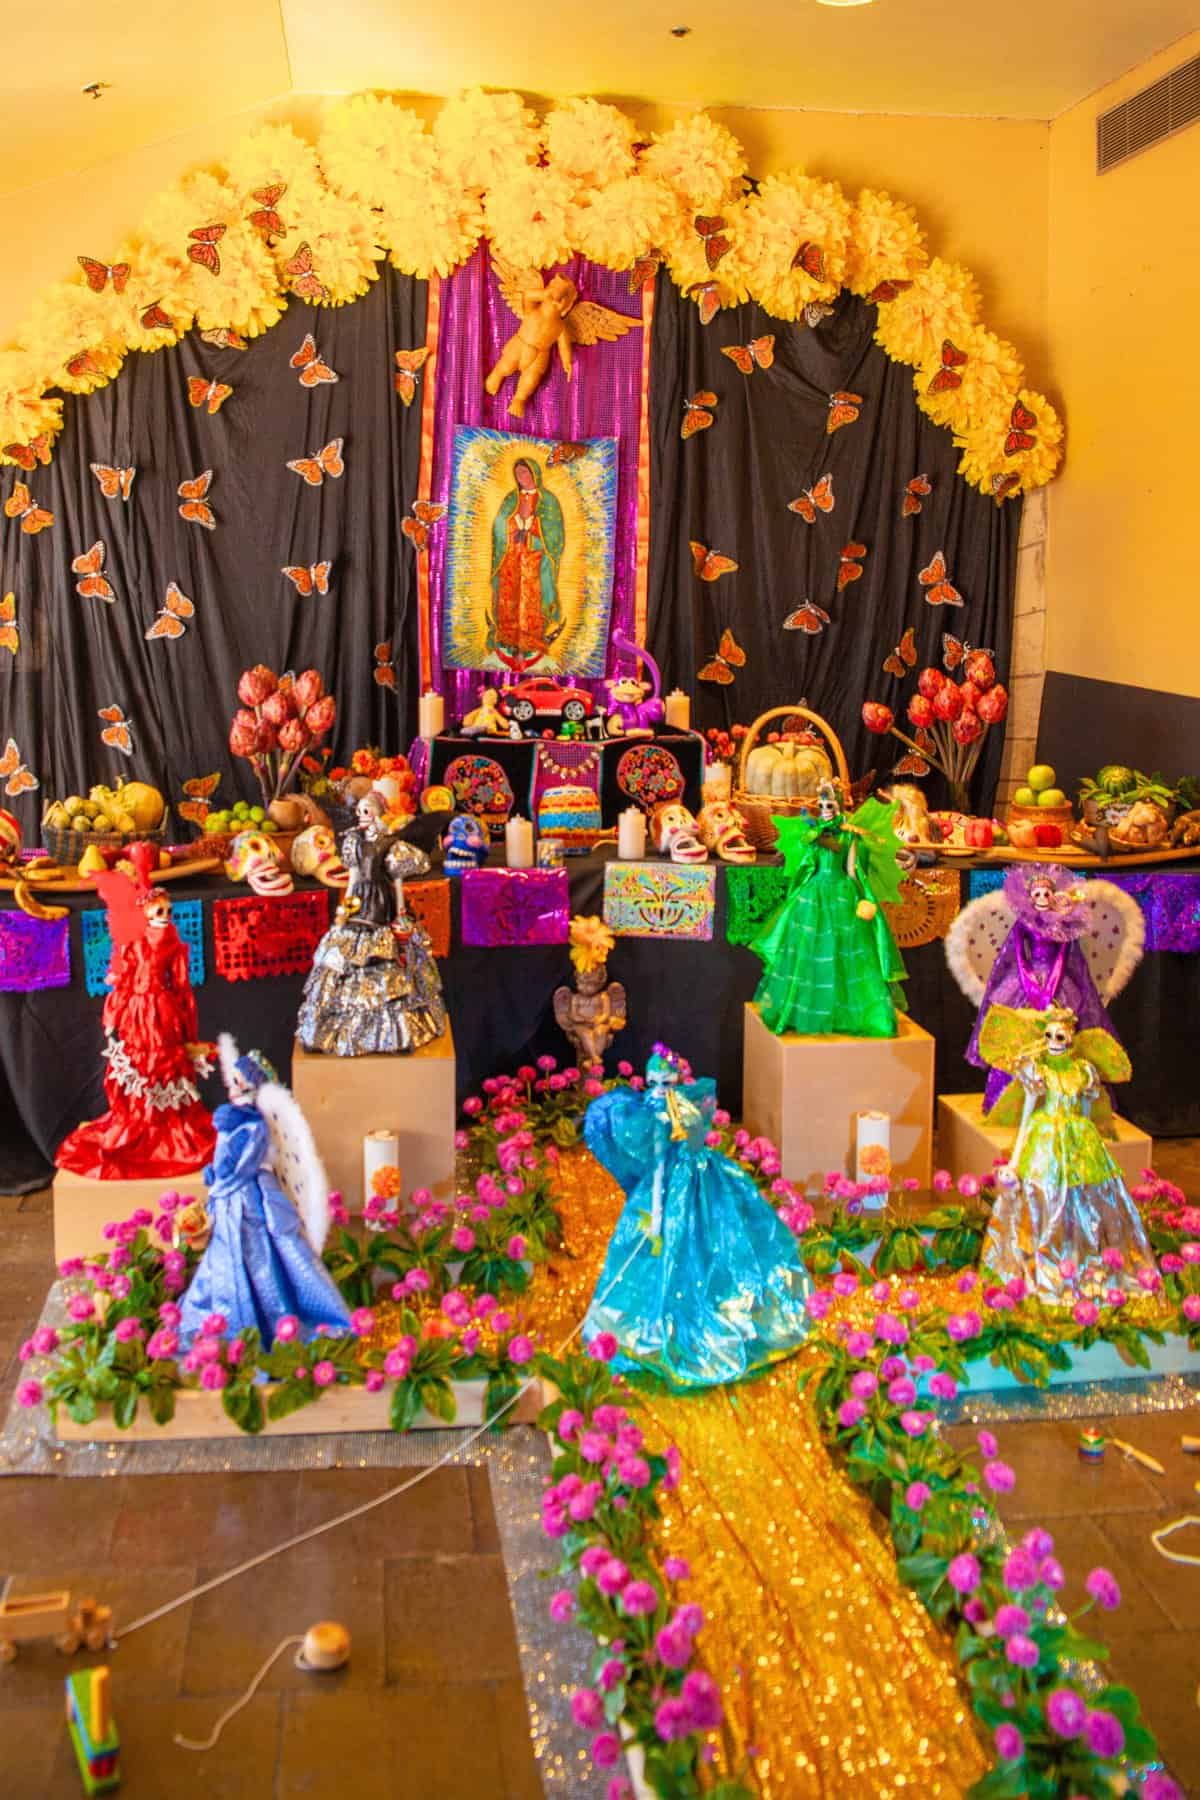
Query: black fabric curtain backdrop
column 78, row 655
column 728, row 488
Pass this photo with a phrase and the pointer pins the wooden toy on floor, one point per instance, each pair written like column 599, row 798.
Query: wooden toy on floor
column 93, row 1732
column 28, row 1616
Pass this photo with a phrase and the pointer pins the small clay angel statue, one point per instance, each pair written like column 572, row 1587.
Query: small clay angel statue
column 551, row 313
column 591, row 1013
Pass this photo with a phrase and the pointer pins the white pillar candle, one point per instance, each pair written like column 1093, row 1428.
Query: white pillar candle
column 631, row 835
column 381, row 1150
column 518, row 842
column 431, row 715
column 677, row 710
column 873, row 1151
column 718, row 781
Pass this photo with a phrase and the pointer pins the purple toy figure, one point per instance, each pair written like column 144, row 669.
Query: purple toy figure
column 633, row 710
column 1045, row 939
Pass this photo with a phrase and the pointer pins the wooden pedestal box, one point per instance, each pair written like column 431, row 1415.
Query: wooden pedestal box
column 344, row 1097
column 83, row 1206
column 968, row 1146
column 804, row 1094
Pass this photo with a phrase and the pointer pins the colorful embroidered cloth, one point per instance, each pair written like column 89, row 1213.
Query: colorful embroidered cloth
column 658, row 899
column 1170, row 902
column 429, row 901
column 511, row 908
column 254, row 937
column 34, row 953
column 187, row 916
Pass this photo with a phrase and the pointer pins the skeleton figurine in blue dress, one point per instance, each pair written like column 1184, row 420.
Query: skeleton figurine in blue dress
column 268, row 1206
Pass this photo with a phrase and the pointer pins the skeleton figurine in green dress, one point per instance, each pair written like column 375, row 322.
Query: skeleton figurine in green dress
column 832, row 965
column 1064, row 1220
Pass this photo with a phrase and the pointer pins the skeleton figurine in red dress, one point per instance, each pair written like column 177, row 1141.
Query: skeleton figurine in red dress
column 155, row 1123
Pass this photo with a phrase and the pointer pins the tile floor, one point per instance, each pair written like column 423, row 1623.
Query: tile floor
column 430, row 1706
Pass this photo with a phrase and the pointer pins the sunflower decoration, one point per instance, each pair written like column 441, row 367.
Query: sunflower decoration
column 972, row 381
column 591, row 142
column 528, row 216
column 591, row 942
column 482, row 138
column 885, row 247
column 793, row 243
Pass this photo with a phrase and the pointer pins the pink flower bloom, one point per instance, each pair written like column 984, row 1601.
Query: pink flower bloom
column 987, row 1443
column 1112, row 1258
column 45, row 1340
column 1051, row 1575
column 29, row 1393
column 1105, row 1735
column 612, row 1674
column 324, row 1374
column 1150, row 1279
column 27, row 1352
column 890, row 1329
column 818, row 1304
column 1085, row 1312
column 606, row 1750
column 603, row 1347
column 974, row 1611
column 397, row 1364
column 890, row 1367
column 703, row 1699
column 1010, row 1745
column 964, row 1573
column 128, row 1329
column 1191, row 1308
column 677, row 1568
column 1010, row 1619
column 902, row 1391
column 1020, row 1572
column 864, row 1384
column 374, row 1381
column 214, row 1377
column 844, row 1283
column 612, row 1577
column 1102, row 1585
column 594, row 1558
column 999, row 1477
column 471, row 1340
column 517, row 1247
column 850, row 1412
column 80, row 1307
column 562, row 1606
column 362, row 1321
column 908, row 1299
column 859, row 1344
column 674, row 1468
column 672, row 1719
column 1038, row 1542
column 880, row 1291
column 417, row 1281
column 286, row 1328
column 215, row 1325
column 943, row 1386
column 1160, row 1786
column 162, row 1344
column 462, row 1238
column 639, row 1599
column 472, row 1106
column 587, row 1709
column 916, row 1494
column 583, row 1504
column 943, row 1181
column 570, row 1423
column 1021, row 1651
column 1066, row 1713
column 915, row 1424
column 673, row 1646
column 520, row 1349
column 1190, row 1252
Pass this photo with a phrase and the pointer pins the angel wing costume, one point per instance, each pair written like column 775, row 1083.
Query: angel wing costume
column 1064, row 1220
column 1044, row 939
column 269, row 1211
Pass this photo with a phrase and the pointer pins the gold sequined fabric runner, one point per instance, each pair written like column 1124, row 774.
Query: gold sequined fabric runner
column 836, row 1683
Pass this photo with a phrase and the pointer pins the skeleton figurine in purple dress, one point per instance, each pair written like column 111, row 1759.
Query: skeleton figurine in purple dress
column 1044, row 939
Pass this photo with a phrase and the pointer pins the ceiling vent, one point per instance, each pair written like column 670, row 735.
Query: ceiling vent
column 1159, row 111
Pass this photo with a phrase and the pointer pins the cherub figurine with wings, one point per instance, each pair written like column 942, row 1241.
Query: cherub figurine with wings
column 551, row 313
column 268, row 1203
column 1063, row 1222
column 1044, row 939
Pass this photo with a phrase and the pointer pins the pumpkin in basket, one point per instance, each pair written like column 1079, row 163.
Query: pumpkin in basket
column 791, row 769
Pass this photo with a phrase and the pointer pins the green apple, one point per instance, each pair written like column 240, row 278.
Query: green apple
column 1025, row 797
column 1052, row 796
column 1041, row 776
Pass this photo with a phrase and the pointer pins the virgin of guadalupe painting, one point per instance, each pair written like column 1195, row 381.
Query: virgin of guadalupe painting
column 529, row 565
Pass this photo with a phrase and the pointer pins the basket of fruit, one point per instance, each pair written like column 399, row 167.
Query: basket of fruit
column 1040, row 801
column 104, row 820
column 780, row 777
column 223, row 824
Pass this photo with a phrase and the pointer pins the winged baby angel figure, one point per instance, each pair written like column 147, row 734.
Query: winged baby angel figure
column 551, row 314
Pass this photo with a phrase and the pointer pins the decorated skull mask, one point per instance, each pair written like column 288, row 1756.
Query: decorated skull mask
column 1058, row 1031
column 465, row 845
column 315, row 853
column 723, row 829
column 673, row 833
column 254, row 859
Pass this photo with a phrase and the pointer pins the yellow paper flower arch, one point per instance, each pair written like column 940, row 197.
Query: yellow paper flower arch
column 228, row 248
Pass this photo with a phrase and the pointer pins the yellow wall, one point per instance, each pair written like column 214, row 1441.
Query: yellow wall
column 979, row 187
column 1124, row 306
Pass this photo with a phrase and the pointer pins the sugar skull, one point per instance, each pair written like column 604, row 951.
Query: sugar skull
column 254, row 859
column 315, row 853
column 465, row 845
column 722, row 828
column 673, row 833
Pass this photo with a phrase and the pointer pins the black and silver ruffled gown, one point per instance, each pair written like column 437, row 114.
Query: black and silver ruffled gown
column 374, row 988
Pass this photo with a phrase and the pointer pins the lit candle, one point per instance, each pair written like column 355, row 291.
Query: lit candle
column 431, row 715
column 518, row 842
column 631, row 835
column 873, row 1149
column 677, row 710
column 718, row 781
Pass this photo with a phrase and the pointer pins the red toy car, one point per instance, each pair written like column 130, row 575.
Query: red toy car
column 541, row 697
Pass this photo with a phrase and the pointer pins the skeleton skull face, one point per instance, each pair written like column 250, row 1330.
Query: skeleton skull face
column 723, row 829
column 369, row 812
column 1041, row 895
column 254, row 859
column 828, row 804
column 1059, row 1035
column 315, row 852
column 157, row 908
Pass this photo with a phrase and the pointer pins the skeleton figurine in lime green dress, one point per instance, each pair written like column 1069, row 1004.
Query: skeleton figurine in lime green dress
column 831, row 961
column 1064, row 1220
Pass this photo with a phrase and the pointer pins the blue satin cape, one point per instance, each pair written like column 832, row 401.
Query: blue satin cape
column 258, row 1265
column 719, row 1293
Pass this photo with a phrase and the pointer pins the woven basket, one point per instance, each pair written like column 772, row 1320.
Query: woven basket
column 66, row 846
column 928, row 905
column 757, row 809
column 1062, row 816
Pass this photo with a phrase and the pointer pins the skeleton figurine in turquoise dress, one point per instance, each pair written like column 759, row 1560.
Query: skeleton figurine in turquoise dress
column 703, row 1282
column 1062, row 1200
column 832, row 965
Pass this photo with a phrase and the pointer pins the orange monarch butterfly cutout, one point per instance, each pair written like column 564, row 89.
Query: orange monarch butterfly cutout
column 1020, row 436
column 98, row 274
column 153, row 318
column 935, row 579
column 709, row 565
column 644, row 269
column 912, row 764
column 203, row 248
column 956, row 650
column 1003, row 486
column 810, row 258
column 212, row 394
column 758, row 353
column 918, row 489
column 817, row 498
column 21, row 505
column 711, row 228
column 116, row 731
column 10, row 630
column 728, row 657
column 885, row 291
column 304, row 282
column 94, row 585
column 199, row 790
column 195, row 508
column 947, row 377
column 409, row 364
column 172, row 619
column 28, row 456
column 424, row 514
column 849, row 565
column 385, row 668
column 321, row 463
column 222, row 338
column 311, row 580
column 807, row 617
column 903, row 657
column 696, row 413
column 20, row 780
column 707, row 295
column 843, row 410
column 565, row 453
column 115, row 484
column 266, row 219
column 84, row 363
column 312, row 370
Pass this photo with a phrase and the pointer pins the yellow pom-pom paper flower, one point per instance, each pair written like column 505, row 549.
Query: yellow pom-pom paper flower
column 590, row 141
column 793, row 243
column 591, row 942
column 942, row 302
column 481, row 138
column 885, row 245
column 700, row 161
column 528, row 217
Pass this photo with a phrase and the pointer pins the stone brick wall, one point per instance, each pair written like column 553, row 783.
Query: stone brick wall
column 1027, row 667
